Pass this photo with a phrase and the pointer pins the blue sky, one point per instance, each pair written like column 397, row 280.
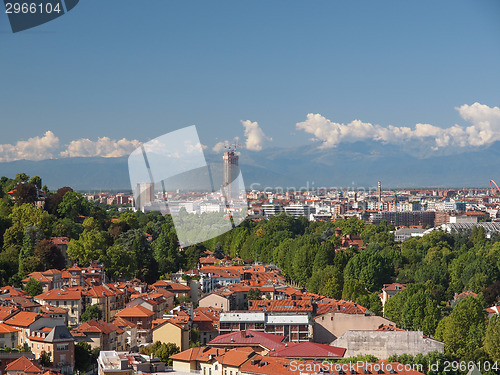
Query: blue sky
column 139, row 69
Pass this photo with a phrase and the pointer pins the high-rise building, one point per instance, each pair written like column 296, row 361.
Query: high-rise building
column 144, row 194
column 230, row 171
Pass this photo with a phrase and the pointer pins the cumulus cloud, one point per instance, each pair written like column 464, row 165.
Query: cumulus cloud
column 219, row 146
column 104, row 147
column 484, row 129
column 255, row 137
column 36, row 148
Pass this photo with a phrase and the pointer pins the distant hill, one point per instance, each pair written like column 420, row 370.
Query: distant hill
column 359, row 164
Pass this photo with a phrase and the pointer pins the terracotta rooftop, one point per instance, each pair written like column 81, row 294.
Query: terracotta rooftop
column 5, row 328
column 23, row 365
column 49, row 309
column 7, row 311
column 187, row 355
column 340, row 306
column 135, row 311
column 308, row 350
column 235, row 357
column 394, row 287
column 23, row 319
column 60, row 294
column 249, row 338
column 97, row 326
column 123, row 323
column 281, row 305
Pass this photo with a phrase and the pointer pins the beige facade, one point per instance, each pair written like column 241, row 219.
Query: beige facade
column 329, row 326
column 8, row 336
column 183, row 366
column 170, row 332
column 217, row 301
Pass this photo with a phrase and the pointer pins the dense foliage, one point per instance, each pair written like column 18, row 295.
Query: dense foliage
column 436, row 267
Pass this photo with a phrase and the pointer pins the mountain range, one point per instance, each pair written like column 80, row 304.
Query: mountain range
column 359, row 164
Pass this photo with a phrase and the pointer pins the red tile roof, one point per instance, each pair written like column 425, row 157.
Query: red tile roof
column 340, row 306
column 493, row 310
column 7, row 311
column 23, row 319
column 235, row 357
column 60, row 294
column 281, row 305
column 123, row 323
column 187, row 355
column 5, row 328
column 394, row 287
column 135, row 311
column 308, row 350
column 250, row 338
column 13, row 291
column 97, row 326
column 49, row 309
column 23, row 365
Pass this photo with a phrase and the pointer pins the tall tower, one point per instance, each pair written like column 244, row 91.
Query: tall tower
column 379, row 194
column 230, row 162
column 144, row 194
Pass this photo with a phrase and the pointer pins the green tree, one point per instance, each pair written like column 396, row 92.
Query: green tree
column 463, row 331
column 369, row 267
column 375, row 305
column 166, row 251
column 45, row 359
column 137, row 244
column 49, row 255
column 73, row 205
column 492, row 338
column 91, row 245
column 160, row 350
column 354, row 290
column 219, row 251
column 92, row 312
column 36, row 181
column 33, row 287
column 9, row 264
column 25, row 193
column 119, row 262
column 254, row 294
column 83, row 356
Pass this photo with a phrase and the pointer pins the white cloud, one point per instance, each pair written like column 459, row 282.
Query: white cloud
column 219, row 146
column 255, row 137
column 483, row 131
column 36, row 148
column 104, row 147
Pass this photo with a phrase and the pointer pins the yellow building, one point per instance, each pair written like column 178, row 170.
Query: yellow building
column 169, row 331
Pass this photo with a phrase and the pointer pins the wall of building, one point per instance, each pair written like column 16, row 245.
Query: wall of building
column 181, row 366
column 171, row 333
column 329, row 326
column 214, row 300
column 383, row 344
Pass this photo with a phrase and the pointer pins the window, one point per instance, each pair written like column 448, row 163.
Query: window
column 62, row 347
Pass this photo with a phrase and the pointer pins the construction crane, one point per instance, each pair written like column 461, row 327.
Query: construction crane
column 493, row 190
